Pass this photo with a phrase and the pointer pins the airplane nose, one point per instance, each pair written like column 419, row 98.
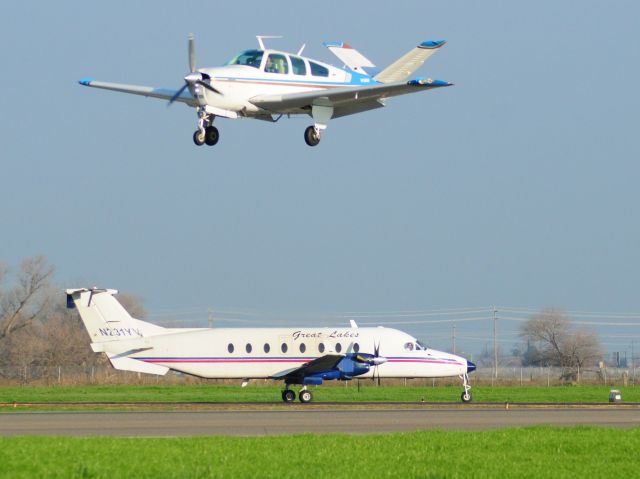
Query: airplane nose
column 470, row 366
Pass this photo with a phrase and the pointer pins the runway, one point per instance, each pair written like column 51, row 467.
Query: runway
column 270, row 422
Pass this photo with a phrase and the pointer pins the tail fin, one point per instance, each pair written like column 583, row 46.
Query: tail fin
column 105, row 318
column 112, row 329
column 406, row 65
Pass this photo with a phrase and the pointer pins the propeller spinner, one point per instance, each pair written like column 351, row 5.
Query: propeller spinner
column 194, row 77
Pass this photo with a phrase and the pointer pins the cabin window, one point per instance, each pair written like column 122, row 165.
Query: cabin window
column 248, row 347
column 267, row 348
column 303, row 348
column 321, row 347
column 230, row 348
column 338, row 347
column 298, row 66
column 277, row 63
column 250, row 58
column 318, row 70
column 284, row 347
column 408, row 346
column 356, row 347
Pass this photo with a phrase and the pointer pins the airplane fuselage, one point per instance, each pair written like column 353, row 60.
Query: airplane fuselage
column 272, row 352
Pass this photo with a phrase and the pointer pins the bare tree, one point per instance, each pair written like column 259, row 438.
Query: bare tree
column 28, row 297
column 558, row 342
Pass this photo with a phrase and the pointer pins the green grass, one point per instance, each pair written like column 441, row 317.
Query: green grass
column 260, row 393
column 528, row 452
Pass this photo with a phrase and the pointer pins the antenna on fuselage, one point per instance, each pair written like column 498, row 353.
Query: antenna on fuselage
column 262, row 37
column 301, row 48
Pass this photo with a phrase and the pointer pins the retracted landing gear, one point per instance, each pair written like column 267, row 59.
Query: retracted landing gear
column 312, row 136
column 466, row 394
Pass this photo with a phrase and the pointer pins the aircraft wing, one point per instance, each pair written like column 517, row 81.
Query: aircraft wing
column 161, row 93
column 322, row 364
column 344, row 100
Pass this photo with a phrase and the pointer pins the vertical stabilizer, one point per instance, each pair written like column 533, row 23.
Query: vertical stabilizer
column 105, row 318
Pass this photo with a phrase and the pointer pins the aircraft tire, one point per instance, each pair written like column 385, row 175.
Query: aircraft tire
column 311, row 137
column 198, row 137
column 288, row 395
column 466, row 397
column 211, row 135
column 305, row 396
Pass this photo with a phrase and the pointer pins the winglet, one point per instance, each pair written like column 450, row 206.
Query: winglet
column 86, row 81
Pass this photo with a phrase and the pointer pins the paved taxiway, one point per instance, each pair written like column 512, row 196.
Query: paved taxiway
column 261, row 423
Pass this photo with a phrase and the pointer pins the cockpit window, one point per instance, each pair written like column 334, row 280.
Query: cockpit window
column 277, row 63
column 251, row 58
column 420, row 346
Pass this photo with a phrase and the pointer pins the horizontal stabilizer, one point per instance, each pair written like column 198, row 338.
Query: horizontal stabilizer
column 129, row 364
column 351, row 57
column 406, row 65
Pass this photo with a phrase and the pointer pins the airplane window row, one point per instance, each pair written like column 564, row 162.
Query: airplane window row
column 284, row 348
column 279, row 63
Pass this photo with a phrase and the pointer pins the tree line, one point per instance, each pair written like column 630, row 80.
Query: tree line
column 36, row 328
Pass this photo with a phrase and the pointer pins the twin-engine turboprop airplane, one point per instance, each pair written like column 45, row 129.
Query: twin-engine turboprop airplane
column 266, row 84
column 301, row 356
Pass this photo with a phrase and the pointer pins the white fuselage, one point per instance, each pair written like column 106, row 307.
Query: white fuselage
column 240, row 83
column 272, row 352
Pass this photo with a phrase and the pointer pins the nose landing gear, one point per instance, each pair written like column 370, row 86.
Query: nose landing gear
column 466, row 394
column 206, row 132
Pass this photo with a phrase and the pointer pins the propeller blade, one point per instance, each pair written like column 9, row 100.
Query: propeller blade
column 376, row 355
column 178, row 93
column 192, row 54
column 208, row 87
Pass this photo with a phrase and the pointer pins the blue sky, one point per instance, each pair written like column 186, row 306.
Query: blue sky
column 518, row 186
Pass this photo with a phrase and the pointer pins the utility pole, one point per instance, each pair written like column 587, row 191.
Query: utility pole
column 210, row 318
column 453, row 338
column 495, row 345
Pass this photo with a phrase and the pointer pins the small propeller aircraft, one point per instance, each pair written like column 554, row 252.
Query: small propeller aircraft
column 265, row 84
column 298, row 356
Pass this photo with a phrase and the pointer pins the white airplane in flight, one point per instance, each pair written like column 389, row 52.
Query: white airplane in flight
column 266, row 84
column 298, row 356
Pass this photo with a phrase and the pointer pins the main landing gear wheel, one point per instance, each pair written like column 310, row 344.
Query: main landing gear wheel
column 288, row 395
column 312, row 136
column 466, row 397
column 211, row 135
column 199, row 137
column 305, row 396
